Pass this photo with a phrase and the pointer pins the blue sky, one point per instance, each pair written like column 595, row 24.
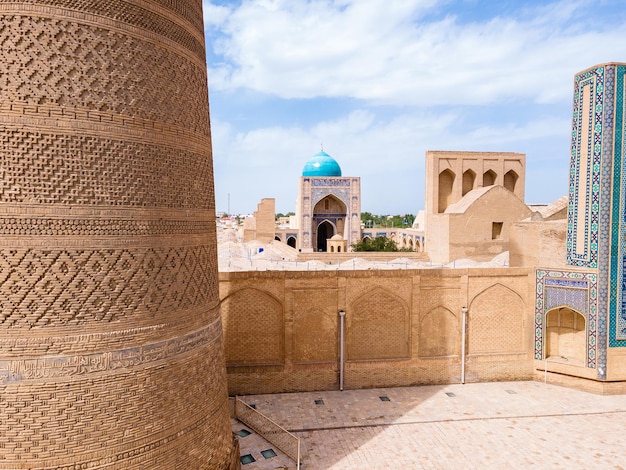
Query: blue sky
column 379, row 82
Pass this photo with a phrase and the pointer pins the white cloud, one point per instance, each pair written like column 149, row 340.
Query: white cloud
column 388, row 155
column 214, row 15
column 383, row 51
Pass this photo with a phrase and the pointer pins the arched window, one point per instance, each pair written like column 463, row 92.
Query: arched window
column 446, row 182
column 489, row 178
column 510, row 180
column 469, row 178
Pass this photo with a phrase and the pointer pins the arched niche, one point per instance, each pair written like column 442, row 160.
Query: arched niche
column 330, row 204
column 439, row 334
column 510, row 180
column 469, row 180
column 253, row 328
column 489, row 178
column 496, row 322
column 291, row 241
column 446, row 183
column 378, row 327
column 566, row 335
column 325, row 230
column 329, row 218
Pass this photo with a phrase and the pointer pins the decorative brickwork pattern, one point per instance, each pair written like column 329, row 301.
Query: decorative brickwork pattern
column 111, row 344
column 46, row 168
column 73, row 288
column 62, row 62
column 401, row 328
column 31, row 226
column 259, row 342
column 496, row 322
column 378, row 327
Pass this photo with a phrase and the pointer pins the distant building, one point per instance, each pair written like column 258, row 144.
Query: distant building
column 328, row 204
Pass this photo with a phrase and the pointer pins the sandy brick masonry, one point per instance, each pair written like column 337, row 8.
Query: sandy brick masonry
column 111, row 349
column 403, row 327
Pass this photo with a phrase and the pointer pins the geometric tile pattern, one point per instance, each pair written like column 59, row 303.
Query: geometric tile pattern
column 617, row 318
column 576, row 290
column 584, row 184
column 597, row 207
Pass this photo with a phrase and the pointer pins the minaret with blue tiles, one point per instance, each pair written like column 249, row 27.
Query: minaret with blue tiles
column 597, row 207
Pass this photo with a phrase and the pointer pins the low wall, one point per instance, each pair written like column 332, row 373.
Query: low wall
column 402, row 327
column 333, row 258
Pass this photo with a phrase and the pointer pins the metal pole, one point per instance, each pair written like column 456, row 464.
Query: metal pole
column 342, row 317
column 298, row 461
column 463, row 338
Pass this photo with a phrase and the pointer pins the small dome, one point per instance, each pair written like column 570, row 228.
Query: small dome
column 321, row 164
column 336, row 237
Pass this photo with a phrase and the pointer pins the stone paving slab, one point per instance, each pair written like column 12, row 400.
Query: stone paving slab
column 254, row 445
column 496, row 425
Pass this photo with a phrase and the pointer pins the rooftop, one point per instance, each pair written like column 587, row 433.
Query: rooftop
column 475, row 426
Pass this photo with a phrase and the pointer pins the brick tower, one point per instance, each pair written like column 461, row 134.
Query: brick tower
column 110, row 334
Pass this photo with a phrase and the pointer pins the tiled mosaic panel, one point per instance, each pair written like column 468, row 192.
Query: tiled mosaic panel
column 593, row 80
column 617, row 320
column 576, row 290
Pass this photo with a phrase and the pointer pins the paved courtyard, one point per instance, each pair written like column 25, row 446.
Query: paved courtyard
column 501, row 425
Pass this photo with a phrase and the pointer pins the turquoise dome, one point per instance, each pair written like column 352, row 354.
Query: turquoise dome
column 321, row 164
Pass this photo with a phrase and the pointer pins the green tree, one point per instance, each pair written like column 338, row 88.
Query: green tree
column 377, row 244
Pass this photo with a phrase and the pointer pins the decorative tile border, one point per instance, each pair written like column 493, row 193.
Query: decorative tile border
column 594, row 78
column 617, row 317
column 576, row 290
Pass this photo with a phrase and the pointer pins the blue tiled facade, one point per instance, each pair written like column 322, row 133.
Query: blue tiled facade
column 596, row 231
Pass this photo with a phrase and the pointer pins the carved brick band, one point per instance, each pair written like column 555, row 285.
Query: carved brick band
column 68, row 367
column 100, row 227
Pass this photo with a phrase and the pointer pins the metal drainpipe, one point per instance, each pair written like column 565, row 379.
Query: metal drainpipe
column 463, row 338
column 342, row 317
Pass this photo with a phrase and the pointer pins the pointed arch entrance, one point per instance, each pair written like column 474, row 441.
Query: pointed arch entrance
column 329, row 218
column 566, row 335
column 325, row 230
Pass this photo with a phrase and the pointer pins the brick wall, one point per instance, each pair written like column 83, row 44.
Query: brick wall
column 403, row 327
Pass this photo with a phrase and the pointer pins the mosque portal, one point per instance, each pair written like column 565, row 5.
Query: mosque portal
column 328, row 204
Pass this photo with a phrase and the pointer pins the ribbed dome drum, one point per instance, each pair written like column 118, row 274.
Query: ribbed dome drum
column 110, row 334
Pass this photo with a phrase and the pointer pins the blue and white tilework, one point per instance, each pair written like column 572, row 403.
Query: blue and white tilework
column 572, row 289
